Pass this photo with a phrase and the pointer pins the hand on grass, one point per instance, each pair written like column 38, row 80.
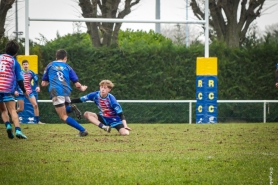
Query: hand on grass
column 127, row 128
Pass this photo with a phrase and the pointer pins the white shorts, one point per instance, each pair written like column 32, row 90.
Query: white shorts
column 57, row 100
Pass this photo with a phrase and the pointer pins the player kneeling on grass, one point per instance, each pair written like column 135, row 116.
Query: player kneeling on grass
column 111, row 113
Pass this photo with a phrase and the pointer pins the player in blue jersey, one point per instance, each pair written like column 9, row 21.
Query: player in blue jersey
column 28, row 76
column 58, row 75
column 9, row 76
column 111, row 113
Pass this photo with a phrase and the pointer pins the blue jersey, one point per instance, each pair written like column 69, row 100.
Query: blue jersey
column 28, row 77
column 59, row 74
column 108, row 106
column 9, row 73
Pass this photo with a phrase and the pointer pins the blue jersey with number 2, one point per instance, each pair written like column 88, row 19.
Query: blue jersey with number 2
column 59, row 74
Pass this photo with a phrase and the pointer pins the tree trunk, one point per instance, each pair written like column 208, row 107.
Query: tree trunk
column 230, row 19
column 5, row 5
column 104, row 34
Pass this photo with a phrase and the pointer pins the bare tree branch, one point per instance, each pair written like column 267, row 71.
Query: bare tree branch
column 107, row 32
column 5, row 5
column 224, row 18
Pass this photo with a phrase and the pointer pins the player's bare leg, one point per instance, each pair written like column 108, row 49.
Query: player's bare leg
column 61, row 111
column 6, row 119
column 11, row 108
column 92, row 118
column 35, row 105
column 20, row 105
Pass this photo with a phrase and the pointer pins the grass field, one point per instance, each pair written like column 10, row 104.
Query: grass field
column 152, row 154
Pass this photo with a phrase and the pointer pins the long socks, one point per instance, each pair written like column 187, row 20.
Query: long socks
column 72, row 122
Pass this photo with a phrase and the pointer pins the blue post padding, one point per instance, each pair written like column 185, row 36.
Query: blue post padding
column 206, row 96
column 27, row 115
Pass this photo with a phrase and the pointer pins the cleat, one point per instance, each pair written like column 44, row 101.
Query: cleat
column 41, row 123
column 76, row 111
column 10, row 131
column 20, row 135
column 83, row 134
column 107, row 129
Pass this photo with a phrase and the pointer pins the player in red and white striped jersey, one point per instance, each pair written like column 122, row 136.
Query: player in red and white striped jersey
column 28, row 76
column 9, row 76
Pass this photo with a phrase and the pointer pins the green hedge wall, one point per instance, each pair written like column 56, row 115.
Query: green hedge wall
column 168, row 72
column 163, row 71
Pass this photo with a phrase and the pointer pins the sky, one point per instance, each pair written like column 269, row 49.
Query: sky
column 170, row 10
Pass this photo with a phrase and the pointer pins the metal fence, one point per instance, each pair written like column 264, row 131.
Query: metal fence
column 183, row 111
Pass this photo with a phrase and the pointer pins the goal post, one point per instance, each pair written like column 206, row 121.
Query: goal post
column 206, row 90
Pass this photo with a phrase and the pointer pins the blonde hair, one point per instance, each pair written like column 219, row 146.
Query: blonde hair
column 109, row 84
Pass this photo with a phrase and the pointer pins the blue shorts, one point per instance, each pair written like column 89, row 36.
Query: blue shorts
column 109, row 121
column 21, row 97
column 5, row 97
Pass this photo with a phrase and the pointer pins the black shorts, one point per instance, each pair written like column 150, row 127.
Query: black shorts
column 118, row 127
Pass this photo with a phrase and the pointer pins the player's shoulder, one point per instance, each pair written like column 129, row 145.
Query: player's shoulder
column 91, row 96
column 94, row 93
column 6, row 55
column 14, row 58
column 68, row 66
column 111, row 96
column 63, row 64
column 58, row 64
column 49, row 64
column 30, row 71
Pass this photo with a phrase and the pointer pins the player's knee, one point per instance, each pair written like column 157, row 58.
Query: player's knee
column 63, row 117
column 124, row 132
column 35, row 106
column 19, row 110
column 86, row 114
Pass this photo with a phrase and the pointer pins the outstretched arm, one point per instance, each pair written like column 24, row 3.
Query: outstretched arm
column 124, row 121
column 80, row 87
column 76, row 100
column 88, row 97
column 125, row 125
